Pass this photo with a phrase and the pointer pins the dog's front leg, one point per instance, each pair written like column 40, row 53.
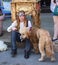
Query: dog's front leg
column 35, row 46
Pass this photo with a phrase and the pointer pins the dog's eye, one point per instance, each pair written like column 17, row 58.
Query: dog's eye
column 22, row 34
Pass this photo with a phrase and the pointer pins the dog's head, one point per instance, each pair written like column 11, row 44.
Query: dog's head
column 24, row 32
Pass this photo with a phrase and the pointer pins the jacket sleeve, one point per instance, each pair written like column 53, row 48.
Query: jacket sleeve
column 29, row 24
column 52, row 6
column 13, row 25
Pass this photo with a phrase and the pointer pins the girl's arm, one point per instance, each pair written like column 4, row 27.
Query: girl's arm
column 52, row 1
column 12, row 26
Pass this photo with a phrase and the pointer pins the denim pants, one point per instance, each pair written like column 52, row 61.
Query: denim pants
column 15, row 36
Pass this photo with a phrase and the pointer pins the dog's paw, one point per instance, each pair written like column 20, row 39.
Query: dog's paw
column 40, row 59
column 53, row 59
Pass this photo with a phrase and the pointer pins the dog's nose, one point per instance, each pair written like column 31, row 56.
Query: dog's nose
column 21, row 38
column 19, row 34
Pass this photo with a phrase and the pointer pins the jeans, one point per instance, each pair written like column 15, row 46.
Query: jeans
column 15, row 36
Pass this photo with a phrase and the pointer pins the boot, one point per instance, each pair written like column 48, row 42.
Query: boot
column 26, row 54
column 14, row 53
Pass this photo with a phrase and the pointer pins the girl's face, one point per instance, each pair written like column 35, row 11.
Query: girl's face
column 22, row 18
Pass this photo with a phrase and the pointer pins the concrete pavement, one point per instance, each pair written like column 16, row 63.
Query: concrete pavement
column 5, row 57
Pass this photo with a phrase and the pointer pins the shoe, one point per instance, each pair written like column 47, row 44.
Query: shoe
column 54, row 39
column 14, row 53
column 26, row 54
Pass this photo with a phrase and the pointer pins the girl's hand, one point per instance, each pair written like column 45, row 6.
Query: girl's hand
column 9, row 30
column 14, row 29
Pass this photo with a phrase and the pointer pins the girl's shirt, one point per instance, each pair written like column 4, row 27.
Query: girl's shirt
column 52, row 5
column 22, row 24
column 14, row 24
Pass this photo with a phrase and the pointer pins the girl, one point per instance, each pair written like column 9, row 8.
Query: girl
column 15, row 35
column 55, row 18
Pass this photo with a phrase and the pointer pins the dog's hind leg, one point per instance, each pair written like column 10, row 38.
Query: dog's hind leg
column 41, row 50
column 53, row 56
column 50, row 50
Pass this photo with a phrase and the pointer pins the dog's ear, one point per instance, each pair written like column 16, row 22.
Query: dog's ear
column 19, row 30
column 28, row 35
column 27, row 29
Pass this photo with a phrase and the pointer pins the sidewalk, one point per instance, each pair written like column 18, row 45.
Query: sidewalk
column 5, row 57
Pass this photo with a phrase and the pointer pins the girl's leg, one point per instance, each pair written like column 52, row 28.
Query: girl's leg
column 13, row 40
column 27, row 48
column 55, row 18
column 14, row 37
column 27, row 45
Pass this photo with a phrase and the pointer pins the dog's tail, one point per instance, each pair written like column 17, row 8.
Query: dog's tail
column 49, row 48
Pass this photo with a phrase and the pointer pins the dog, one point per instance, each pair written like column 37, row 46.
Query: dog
column 3, row 46
column 41, row 40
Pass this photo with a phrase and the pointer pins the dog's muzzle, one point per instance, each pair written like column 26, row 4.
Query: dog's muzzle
column 21, row 38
